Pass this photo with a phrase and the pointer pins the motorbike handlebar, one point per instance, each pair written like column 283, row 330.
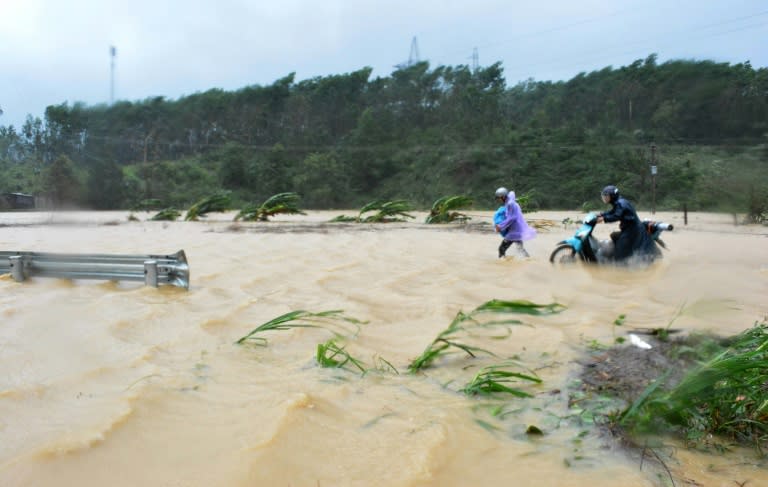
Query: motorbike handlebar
column 665, row 226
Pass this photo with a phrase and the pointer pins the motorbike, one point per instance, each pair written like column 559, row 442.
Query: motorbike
column 585, row 247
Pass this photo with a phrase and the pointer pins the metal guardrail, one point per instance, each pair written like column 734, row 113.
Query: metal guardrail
column 151, row 269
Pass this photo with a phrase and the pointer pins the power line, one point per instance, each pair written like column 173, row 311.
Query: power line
column 647, row 42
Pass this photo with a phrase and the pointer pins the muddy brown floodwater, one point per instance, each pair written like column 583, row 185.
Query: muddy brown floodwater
column 114, row 383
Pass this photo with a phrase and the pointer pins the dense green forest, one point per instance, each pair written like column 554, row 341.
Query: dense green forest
column 418, row 134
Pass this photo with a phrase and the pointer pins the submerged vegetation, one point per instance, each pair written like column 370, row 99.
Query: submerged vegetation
column 726, row 395
column 723, row 398
column 496, row 378
column 330, row 354
column 454, row 337
column 281, row 203
column 217, row 202
column 445, row 209
column 385, row 212
column 168, row 214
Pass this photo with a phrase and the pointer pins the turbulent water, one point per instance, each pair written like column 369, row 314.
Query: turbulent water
column 114, row 383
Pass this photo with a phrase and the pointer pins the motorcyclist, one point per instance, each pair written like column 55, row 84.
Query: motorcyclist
column 632, row 239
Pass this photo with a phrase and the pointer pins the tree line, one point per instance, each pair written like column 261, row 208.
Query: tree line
column 418, row 134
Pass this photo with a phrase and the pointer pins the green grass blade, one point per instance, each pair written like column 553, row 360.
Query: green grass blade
column 519, row 306
column 332, row 320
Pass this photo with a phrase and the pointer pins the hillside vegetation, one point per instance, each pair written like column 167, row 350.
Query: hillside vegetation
column 419, row 134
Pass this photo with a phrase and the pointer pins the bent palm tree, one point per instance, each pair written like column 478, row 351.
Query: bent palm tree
column 216, row 202
column 388, row 211
column 168, row 214
column 280, row 203
column 444, row 209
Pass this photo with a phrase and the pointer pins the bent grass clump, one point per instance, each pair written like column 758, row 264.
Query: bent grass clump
column 494, row 379
column 726, row 396
column 465, row 323
column 330, row 354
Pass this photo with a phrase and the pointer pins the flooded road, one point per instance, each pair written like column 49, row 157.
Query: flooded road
column 114, row 383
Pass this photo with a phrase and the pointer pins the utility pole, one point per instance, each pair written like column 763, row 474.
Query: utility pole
column 112, row 54
column 654, row 171
column 687, row 192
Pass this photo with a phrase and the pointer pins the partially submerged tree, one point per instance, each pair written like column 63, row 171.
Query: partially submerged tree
column 386, row 211
column 281, row 203
column 168, row 214
column 444, row 210
column 218, row 202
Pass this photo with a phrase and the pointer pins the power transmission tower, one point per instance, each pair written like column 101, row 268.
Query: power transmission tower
column 413, row 57
column 112, row 54
column 475, row 60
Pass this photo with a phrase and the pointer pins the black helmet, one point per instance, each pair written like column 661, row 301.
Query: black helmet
column 611, row 191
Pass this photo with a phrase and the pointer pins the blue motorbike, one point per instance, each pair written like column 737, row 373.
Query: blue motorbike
column 585, row 247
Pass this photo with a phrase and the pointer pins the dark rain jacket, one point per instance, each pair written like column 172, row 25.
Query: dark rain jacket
column 633, row 239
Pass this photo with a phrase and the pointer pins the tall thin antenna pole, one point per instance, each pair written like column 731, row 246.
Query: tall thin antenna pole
column 112, row 54
column 413, row 58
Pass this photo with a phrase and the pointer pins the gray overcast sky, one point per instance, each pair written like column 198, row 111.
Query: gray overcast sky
column 55, row 51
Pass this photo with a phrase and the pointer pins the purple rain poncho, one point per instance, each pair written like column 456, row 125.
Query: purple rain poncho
column 514, row 227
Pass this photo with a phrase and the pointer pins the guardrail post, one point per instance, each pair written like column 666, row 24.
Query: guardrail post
column 150, row 273
column 17, row 267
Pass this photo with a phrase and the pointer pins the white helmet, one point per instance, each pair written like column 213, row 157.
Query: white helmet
column 502, row 192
